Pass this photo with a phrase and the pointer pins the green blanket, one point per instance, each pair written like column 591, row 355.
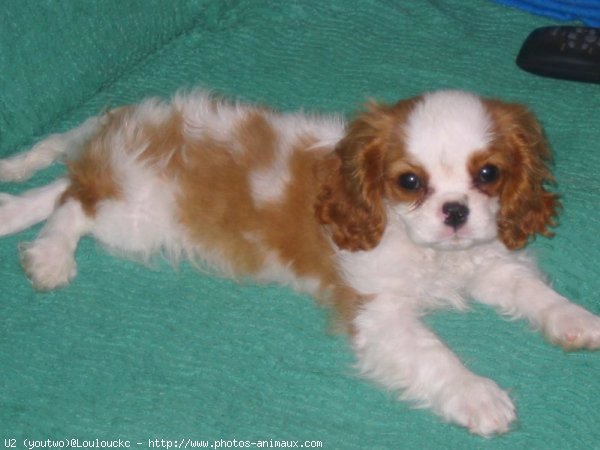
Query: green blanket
column 156, row 356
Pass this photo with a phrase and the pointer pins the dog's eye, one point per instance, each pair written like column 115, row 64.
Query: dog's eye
column 410, row 181
column 488, row 174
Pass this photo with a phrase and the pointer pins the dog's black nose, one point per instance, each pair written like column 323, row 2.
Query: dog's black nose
column 456, row 214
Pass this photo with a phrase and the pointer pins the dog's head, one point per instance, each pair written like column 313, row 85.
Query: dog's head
column 455, row 169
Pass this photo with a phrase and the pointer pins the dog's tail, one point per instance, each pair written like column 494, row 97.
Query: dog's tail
column 23, row 165
column 19, row 212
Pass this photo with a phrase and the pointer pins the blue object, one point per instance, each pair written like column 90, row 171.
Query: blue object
column 586, row 11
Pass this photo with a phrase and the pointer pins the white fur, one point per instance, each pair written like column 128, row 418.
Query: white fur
column 49, row 260
column 420, row 263
column 442, row 133
column 18, row 213
column 446, row 127
column 143, row 224
column 395, row 349
column 267, row 184
column 206, row 117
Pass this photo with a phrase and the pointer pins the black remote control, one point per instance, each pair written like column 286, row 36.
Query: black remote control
column 566, row 52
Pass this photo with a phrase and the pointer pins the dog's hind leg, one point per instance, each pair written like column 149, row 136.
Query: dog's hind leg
column 49, row 260
column 19, row 212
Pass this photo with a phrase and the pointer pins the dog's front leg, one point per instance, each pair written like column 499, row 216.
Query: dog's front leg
column 396, row 350
column 517, row 289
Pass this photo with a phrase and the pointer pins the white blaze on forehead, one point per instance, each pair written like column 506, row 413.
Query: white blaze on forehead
column 445, row 128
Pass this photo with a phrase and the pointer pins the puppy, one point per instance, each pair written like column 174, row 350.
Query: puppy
column 409, row 207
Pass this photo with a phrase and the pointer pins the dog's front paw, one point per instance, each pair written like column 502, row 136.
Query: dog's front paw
column 479, row 405
column 572, row 327
column 48, row 263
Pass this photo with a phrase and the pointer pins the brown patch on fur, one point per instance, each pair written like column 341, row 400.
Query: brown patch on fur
column 164, row 141
column 215, row 204
column 91, row 175
column 217, row 208
column 257, row 138
column 351, row 202
column 353, row 226
column 289, row 227
column 523, row 154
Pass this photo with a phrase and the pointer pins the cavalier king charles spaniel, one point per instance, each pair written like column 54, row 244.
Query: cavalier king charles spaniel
column 409, row 207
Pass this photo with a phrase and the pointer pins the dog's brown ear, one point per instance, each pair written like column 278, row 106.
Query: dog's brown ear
column 527, row 208
column 350, row 201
